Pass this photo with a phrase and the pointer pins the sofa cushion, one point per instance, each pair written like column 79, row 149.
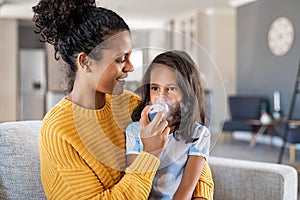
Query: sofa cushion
column 19, row 156
column 240, row 179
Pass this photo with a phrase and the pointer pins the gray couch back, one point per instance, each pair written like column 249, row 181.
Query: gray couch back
column 19, row 161
column 246, row 180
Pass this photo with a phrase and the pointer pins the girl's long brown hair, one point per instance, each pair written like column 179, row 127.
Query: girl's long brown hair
column 193, row 108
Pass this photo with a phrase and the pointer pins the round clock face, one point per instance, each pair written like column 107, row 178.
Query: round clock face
column 280, row 36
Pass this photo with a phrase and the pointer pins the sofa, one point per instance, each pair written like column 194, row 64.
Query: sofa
column 234, row 179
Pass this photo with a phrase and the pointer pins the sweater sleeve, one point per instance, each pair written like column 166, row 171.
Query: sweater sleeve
column 205, row 185
column 137, row 181
column 73, row 179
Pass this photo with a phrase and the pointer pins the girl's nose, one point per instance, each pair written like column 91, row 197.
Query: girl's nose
column 161, row 99
column 163, row 93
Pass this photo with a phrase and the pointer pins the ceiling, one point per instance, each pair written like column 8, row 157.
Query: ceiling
column 135, row 12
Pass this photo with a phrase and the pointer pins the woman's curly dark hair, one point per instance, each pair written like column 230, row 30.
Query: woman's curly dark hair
column 74, row 26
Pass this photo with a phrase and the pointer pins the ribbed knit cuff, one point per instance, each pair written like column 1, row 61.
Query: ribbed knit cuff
column 144, row 164
column 205, row 185
column 204, row 190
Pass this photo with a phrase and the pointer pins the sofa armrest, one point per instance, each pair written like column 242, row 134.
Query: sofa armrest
column 20, row 161
column 240, row 179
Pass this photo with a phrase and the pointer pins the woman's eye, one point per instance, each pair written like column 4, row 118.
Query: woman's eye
column 121, row 61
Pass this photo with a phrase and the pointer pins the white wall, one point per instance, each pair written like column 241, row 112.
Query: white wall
column 223, row 52
column 56, row 71
column 225, row 48
column 217, row 35
column 8, row 69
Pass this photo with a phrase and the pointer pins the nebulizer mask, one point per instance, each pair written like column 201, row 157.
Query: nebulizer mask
column 164, row 104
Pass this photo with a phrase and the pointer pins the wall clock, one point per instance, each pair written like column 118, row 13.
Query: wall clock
column 280, row 36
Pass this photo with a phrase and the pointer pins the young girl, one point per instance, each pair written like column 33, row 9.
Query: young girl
column 172, row 79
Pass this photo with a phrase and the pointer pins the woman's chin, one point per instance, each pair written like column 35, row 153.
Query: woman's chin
column 118, row 89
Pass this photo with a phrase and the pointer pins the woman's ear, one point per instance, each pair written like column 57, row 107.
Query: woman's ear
column 83, row 62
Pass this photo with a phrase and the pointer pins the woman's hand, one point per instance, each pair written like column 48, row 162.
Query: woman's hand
column 153, row 134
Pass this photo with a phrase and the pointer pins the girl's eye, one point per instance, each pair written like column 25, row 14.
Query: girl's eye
column 172, row 88
column 154, row 88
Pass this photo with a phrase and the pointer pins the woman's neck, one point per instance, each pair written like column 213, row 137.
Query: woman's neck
column 89, row 99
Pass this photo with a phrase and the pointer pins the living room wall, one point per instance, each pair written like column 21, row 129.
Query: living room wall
column 8, row 70
column 260, row 72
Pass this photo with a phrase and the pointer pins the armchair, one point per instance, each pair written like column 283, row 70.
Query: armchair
column 243, row 108
column 291, row 137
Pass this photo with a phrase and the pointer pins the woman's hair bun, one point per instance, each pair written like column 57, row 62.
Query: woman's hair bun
column 55, row 17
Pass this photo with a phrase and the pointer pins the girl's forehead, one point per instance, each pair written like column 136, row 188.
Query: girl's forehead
column 162, row 75
column 162, row 68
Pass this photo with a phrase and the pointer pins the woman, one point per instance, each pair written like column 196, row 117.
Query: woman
column 82, row 143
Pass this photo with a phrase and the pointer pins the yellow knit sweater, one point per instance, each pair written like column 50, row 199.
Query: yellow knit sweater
column 83, row 154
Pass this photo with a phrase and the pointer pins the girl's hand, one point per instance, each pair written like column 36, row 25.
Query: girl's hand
column 153, row 134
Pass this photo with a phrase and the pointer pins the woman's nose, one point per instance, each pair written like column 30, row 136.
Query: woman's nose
column 128, row 67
